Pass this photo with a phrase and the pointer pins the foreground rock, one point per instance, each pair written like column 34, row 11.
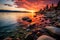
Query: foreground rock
column 45, row 37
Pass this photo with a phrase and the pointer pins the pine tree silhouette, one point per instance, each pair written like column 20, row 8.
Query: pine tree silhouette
column 58, row 5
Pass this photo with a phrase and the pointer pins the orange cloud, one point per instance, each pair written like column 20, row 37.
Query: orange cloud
column 32, row 4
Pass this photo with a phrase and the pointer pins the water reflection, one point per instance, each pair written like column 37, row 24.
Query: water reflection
column 8, row 21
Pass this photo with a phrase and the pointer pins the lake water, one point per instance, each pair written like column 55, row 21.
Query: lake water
column 8, row 20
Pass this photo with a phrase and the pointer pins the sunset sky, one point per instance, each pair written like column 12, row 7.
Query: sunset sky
column 29, row 4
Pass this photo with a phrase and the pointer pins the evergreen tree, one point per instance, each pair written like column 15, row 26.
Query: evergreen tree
column 46, row 8
column 58, row 5
column 52, row 7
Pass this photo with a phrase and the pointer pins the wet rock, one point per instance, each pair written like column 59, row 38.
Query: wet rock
column 29, row 20
column 26, row 19
column 45, row 37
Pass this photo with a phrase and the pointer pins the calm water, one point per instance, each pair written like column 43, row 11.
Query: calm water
column 8, row 21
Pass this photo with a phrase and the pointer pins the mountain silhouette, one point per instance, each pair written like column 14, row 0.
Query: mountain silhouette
column 14, row 11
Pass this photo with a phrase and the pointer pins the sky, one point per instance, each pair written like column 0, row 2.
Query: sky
column 30, row 4
column 6, row 2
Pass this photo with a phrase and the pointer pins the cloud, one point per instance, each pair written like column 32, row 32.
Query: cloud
column 32, row 4
column 32, row 0
column 6, row 2
column 29, row 4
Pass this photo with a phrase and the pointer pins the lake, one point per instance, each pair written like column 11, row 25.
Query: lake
column 8, row 20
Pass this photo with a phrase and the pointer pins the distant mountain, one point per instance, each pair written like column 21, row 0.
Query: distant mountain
column 14, row 11
column 10, row 8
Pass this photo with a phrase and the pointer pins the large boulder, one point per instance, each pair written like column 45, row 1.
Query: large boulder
column 45, row 37
column 26, row 19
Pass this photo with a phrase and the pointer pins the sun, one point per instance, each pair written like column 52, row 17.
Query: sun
column 32, row 11
column 24, row 9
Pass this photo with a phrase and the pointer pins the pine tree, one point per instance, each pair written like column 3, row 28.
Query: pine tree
column 46, row 8
column 58, row 5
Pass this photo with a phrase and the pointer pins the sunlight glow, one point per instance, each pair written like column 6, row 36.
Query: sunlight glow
column 14, row 8
column 32, row 11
